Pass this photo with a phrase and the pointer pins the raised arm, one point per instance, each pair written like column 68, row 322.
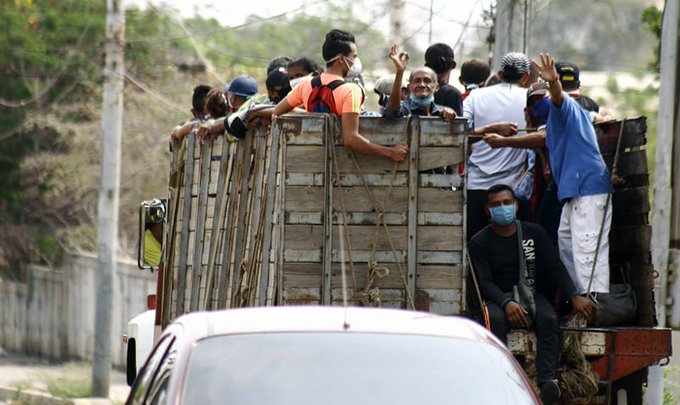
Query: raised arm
column 546, row 70
column 400, row 61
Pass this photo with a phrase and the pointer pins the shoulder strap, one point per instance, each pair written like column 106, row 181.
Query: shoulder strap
column 522, row 258
column 335, row 84
column 316, row 81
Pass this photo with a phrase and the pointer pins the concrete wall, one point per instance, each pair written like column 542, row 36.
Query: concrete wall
column 52, row 315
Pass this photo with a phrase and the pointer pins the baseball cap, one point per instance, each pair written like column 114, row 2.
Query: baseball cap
column 568, row 71
column 243, row 86
column 277, row 77
column 515, row 65
column 537, row 89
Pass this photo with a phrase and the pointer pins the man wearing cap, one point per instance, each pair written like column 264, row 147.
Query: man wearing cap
column 440, row 58
column 240, row 94
column 569, row 79
column 498, row 108
column 342, row 62
column 583, row 183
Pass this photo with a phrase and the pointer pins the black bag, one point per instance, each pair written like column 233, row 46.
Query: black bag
column 619, row 306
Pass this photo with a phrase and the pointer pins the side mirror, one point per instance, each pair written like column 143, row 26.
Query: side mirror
column 151, row 226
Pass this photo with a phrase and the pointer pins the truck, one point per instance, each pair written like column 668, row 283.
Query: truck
column 290, row 216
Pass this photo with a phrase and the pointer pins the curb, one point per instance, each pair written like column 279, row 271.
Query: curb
column 31, row 396
column 41, row 398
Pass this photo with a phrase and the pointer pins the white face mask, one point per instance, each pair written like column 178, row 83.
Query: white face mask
column 297, row 80
column 355, row 69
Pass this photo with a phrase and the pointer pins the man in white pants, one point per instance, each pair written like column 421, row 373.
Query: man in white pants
column 582, row 182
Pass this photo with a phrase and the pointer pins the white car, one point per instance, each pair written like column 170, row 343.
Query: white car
column 329, row 355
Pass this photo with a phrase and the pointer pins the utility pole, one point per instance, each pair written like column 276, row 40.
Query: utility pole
column 396, row 8
column 666, row 209
column 429, row 36
column 503, row 42
column 107, row 210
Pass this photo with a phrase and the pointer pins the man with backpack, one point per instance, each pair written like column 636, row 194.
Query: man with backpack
column 330, row 93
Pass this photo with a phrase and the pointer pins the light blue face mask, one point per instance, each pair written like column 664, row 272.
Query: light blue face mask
column 503, row 215
column 422, row 102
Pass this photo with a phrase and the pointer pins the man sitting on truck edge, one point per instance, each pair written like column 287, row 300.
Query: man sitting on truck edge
column 582, row 182
column 517, row 280
column 340, row 53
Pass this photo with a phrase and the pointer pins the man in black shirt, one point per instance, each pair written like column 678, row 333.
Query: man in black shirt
column 517, row 300
column 569, row 78
column 440, row 58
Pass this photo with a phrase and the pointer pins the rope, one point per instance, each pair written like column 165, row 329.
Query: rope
column 482, row 303
column 379, row 209
column 577, row 379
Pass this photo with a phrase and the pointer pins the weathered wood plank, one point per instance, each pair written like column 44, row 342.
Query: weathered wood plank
column 631, row 201
column 427, row 180
column 438, row 200
column 441, row 238
column 361, row 236
column 634, row 134
column 431, row 158
column 370, row 218
column 630, row 163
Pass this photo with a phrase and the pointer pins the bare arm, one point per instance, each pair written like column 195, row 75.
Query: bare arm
column 528, row 141
column 181, row 131
column 282, row 107
column 210, row 129
column 400, row 61
column 546, row 70
column 353, row 140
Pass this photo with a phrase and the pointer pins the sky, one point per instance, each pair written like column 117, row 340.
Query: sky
column 448, row 21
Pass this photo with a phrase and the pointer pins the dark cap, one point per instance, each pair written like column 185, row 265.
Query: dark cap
column 515, row 65
column 277, row 77
column 568, row 71
column 243, row 86
column 537, row 89
column 440, row 58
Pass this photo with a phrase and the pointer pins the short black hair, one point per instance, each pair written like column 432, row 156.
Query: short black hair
column 198, row 97
column 337, row 42
column 440, row 58
column 474, row 71
column 307, row 63
column 499, row 188
column 280, row 62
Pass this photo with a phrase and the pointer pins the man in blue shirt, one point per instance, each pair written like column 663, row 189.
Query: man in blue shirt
column 582, row 182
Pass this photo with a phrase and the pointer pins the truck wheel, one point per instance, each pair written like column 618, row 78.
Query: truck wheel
column 632, row 385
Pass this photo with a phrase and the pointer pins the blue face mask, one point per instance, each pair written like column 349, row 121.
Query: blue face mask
column 541, row 109
column 422, row 102
column 503, row 215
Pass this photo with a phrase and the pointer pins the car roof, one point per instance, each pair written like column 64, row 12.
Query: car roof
column 198, row 325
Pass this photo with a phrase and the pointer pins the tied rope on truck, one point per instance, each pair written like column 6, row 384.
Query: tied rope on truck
column 577, row 379
column 370, row 296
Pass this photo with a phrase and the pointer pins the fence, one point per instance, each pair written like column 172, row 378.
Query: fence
column 52, row 315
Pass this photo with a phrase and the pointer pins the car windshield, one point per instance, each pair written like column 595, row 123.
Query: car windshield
column 341, row 368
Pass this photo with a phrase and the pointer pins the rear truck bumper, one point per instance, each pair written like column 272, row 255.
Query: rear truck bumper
column 614, row 352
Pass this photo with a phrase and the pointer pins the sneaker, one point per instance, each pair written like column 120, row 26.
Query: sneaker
column 549, row 392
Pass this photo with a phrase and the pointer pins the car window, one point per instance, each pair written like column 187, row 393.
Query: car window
column 149, row 372
column 331, row 368
column 158, row 389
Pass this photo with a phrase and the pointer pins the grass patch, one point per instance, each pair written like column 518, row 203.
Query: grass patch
column 70, row 387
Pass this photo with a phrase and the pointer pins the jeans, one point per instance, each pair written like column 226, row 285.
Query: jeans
column 545, row 326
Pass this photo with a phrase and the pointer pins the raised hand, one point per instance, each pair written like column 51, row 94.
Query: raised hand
column 399, row 59
column 546, row 70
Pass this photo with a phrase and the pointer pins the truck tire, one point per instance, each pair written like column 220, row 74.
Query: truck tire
column 632, row 384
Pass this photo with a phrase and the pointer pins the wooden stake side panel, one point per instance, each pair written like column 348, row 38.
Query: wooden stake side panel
column 630, row 235
column 376, row 198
